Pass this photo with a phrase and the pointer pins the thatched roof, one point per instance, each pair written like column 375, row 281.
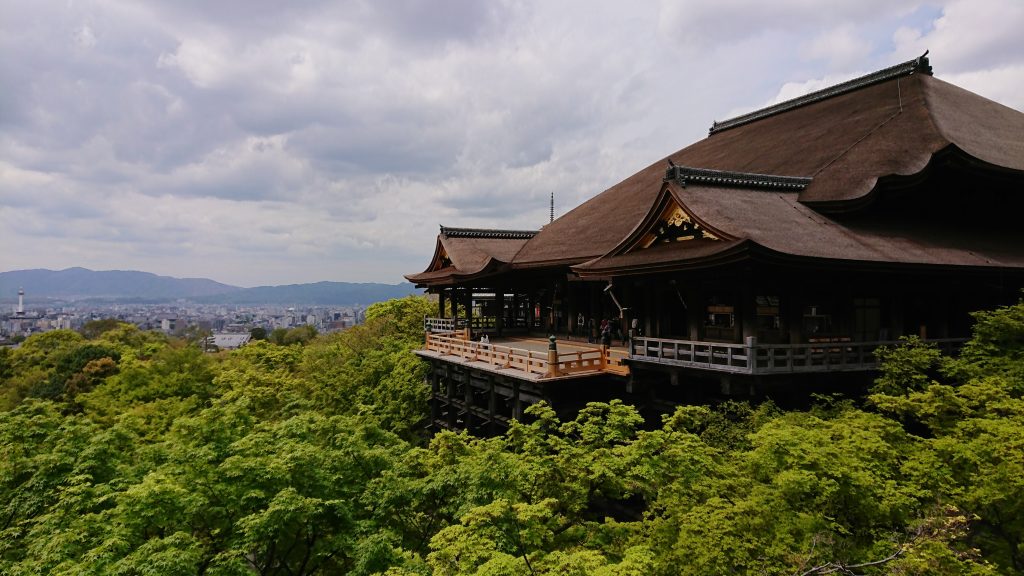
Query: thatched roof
column 804, row 178
column 465, row 253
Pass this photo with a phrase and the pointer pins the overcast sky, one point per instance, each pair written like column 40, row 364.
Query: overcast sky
column 265, row 142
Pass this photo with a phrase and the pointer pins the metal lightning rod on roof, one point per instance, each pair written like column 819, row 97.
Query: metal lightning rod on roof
column 552, row 207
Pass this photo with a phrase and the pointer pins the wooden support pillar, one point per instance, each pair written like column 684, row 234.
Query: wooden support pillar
column 467, row 400
column 695, row 309
column 441, row 298
column 793, row 308
column 748, row 309
column 655, row 294
column 626, row 316
column 941, row 311
column 896, row 318
column 435, row 392
column 456, row 301
column 492, row 407
column 450, row 394
column 515, row 309
column 571, row 309
column 517, row 405
column 499, row 303
column 531, row 309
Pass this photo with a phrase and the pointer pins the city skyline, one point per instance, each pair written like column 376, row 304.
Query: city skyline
column 258, row 144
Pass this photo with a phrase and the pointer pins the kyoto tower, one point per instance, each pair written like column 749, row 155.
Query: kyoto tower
column 21, row 302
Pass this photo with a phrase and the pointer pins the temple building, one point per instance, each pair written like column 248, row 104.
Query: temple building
column 769, row 259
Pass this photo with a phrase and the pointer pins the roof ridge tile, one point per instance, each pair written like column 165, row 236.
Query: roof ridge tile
column 685, row 175
column 488, row 233
column 917, row 65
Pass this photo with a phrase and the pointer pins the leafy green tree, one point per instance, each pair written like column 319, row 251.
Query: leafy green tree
column 299, row 335
column 32, row 364
column 277, row 335
column 371, row 369
column 972, row 417
column 154, row 387
column 78, row 369
column 277, row 459
column 95, row 328
column 56, row 481
column 402, row 317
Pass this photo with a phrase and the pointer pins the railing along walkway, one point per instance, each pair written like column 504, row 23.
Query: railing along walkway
column 753, row 358
column 476, row 323
column 544, row 365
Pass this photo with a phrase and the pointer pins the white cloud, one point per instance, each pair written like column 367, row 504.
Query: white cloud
column 842, row 47
column 1000, row 84
column 85, row 37
column 261, row 142
column 970, row 34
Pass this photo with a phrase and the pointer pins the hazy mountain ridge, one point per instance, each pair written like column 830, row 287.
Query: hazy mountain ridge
column 83, row 284
column 330, row 293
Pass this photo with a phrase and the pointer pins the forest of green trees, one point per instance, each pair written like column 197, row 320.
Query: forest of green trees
column 125, row 452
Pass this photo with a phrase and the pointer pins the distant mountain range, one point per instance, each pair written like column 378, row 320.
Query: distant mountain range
column 126, row 285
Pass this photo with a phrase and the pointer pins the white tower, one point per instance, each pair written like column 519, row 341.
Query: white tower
column 21, row 301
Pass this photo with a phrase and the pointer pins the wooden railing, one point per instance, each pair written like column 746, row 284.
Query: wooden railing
column 753, row 358
column 483, row 323
column 441, row 325
column 444, row 325
column 530, row 361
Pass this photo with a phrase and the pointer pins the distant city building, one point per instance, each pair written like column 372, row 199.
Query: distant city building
column 228, row 341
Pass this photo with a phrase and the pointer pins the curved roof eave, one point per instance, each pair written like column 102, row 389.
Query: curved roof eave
column 452, row 275
column 937, row 120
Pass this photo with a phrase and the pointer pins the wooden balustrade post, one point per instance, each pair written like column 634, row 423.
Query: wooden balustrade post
column 749, row 345
column 552, row 357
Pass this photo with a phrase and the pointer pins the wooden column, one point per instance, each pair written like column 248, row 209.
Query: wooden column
column 650, row 309
column 571, row 309
column 456, row 301
column 467, row 399
column 450, row 395
column 515, row 309
column 896, row 318
column 793, row 308
column 468, row 303
column 748, row 309
column 440, row 303
column 695, row 309
column 531, row 307
column 517, row 405
column 492, row 407
column 435, row 391
column 500, row 313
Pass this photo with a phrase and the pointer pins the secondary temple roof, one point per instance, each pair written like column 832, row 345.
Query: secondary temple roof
column 464, row 253
column 796, row 180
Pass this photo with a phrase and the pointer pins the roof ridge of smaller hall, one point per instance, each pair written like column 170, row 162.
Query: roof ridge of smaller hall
column 910, row 67
column 684, row 175
column 488, row 233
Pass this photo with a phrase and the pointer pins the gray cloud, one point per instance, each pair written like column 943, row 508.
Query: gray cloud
column 262, row 142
